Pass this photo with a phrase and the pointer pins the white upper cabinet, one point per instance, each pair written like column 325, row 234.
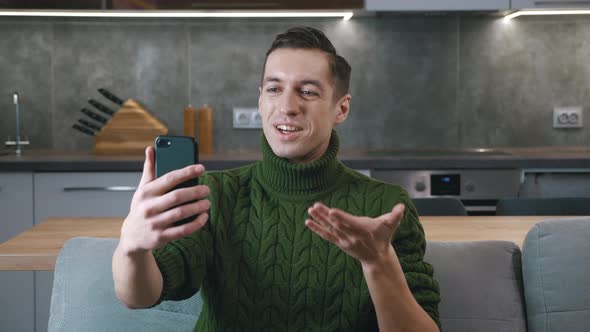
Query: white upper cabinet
column 427, row 5
column 550, row 4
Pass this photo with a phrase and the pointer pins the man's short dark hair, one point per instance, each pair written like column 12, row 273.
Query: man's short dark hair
column 310, row 38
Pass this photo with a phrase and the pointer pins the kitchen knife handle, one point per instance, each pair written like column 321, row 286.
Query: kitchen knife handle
column 110, row 189
column 101, row 107
column 94, row 116
column 82, row 129
column 89, row 124
column 110, row 96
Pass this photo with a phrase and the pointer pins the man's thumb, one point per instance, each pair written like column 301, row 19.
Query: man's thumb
column 148, row 174
column 396, row 215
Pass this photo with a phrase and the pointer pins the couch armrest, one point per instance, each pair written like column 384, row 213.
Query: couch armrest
column 84, row 299
column 556, row 272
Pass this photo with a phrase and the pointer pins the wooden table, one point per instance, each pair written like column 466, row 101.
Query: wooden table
column 38, row 247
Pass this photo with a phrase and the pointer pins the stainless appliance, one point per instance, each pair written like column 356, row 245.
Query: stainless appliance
column 478, row 189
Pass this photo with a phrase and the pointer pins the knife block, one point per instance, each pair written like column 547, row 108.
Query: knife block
column 129, row 132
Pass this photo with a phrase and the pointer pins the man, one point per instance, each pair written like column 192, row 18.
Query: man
column 296, row 241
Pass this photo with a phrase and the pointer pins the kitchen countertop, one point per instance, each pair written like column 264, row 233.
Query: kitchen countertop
column 38, row 247
column 514, row 158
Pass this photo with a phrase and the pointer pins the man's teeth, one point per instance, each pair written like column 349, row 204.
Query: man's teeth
column 287, row 128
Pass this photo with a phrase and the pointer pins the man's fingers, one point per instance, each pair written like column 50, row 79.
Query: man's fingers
column 173, row 233
column 345, row 220
column 148, row 174
column 170, row 180
column 321, row 216
column 319, row 213
column 321, row 231
column 177, row 197
column 167, row 218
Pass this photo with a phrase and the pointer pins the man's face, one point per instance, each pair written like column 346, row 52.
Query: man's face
column 297, row 103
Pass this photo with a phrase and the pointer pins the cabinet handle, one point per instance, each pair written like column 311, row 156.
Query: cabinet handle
column 111, row 188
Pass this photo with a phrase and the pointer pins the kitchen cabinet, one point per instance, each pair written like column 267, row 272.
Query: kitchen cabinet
column 16, row 204
column 82, row 194
column 550, row 183
column 16, row 215
column 549, row 4
column 429, row 5
column 43, row 4
column 182, row 4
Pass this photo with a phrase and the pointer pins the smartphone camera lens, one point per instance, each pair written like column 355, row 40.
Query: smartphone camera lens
column 163, row 143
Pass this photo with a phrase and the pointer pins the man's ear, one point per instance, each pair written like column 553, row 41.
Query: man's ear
column 343, row 108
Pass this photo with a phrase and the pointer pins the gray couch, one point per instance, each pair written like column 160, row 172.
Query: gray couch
column 484, row 286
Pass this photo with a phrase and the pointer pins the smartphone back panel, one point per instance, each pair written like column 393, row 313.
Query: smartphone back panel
column 176, row 152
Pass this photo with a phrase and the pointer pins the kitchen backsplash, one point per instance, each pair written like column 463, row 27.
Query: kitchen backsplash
column 417, row 81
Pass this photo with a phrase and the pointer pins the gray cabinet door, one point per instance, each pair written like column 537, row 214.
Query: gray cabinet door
column 549, row 4
column 96, row 194
column 16, row 215
column 16, row 204
column 426, row 5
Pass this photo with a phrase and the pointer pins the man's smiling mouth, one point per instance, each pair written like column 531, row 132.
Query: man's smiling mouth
column 287, row 129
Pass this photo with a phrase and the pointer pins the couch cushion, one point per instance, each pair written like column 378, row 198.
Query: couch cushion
column 556, row 271
column 480, row 285
column 84, row 299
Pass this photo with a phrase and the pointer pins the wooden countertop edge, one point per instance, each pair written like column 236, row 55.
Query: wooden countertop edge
column 50, row 236
column 28, row 262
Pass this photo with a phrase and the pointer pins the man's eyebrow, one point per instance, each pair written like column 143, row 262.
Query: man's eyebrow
column 313, row 82
column 316, row 83
column 271, row 79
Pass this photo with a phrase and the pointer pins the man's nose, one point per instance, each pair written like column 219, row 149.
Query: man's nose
column 289, row 103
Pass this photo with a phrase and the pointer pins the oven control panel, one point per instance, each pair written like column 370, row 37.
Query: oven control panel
column 463, row 184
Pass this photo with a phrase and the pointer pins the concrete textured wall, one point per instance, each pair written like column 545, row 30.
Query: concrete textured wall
column 417, row 81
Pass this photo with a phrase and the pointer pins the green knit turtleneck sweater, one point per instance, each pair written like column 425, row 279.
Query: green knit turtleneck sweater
column 260, row 268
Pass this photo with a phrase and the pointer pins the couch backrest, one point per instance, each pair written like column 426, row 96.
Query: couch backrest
column 556, row 271
column 480, row 284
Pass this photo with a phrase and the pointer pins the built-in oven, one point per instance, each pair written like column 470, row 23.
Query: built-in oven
column 479, row 190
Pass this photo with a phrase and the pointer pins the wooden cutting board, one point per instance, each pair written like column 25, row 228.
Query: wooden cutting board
column 131, row 129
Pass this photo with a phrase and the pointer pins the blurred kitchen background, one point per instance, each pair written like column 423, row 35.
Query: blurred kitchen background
column 424, row 80
column 431, row 81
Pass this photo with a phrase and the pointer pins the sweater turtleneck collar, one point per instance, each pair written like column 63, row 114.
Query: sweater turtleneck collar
column 285, row 177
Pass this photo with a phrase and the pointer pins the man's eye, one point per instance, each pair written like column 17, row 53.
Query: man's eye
column 272, row 90
column 308, row 93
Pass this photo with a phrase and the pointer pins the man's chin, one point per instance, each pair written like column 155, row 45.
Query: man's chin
column 284, row 153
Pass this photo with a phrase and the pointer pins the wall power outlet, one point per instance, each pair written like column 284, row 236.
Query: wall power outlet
column 246, row 118
column 567, row 117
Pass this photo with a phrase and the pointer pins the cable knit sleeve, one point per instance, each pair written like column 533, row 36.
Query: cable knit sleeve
column 410, row 245
column 183, row 262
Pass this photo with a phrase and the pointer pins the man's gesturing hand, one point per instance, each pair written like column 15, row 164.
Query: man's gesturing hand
column 366, row 239
column 153, row 209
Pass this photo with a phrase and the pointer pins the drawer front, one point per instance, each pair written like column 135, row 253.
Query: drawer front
column 96, row 194
column 550, row 4
column 419, row 5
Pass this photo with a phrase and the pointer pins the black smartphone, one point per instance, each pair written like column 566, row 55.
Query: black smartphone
column 176, row 152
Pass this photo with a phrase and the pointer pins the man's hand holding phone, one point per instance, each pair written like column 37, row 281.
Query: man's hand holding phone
column 155, row 207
